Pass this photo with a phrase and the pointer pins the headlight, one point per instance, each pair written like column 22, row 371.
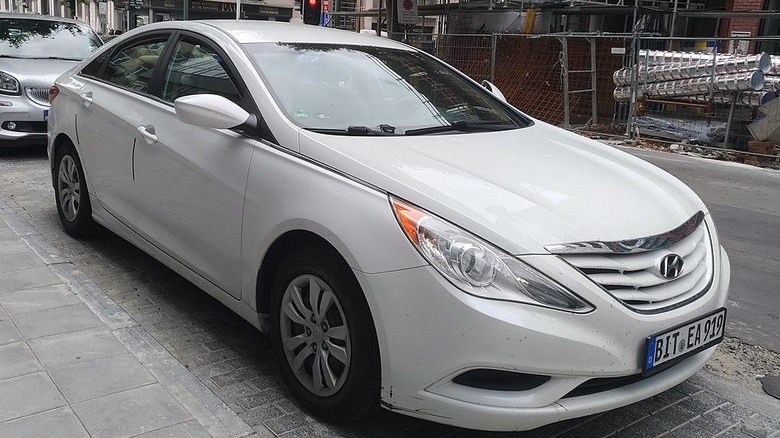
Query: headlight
column 479, row 268
column 8, row 84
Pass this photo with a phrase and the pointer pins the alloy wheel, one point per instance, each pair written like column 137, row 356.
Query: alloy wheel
column 69, row 188
column 315, row 336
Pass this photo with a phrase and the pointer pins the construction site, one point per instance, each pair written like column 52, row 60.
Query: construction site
column 703, row 73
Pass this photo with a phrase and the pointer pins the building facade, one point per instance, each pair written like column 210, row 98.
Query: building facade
column 109, row 16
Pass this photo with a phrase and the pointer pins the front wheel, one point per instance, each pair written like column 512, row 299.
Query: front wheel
column 321, row 326
column 71, row 194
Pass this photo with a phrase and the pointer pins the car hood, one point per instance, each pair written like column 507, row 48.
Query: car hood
column 520, row 189
column 36, row 72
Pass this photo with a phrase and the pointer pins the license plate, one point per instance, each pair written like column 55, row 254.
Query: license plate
column 667, row 348
column 45, row 115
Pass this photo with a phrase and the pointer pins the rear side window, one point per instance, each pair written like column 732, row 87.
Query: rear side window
column 132, row 67
column 197, row 69
column 93, row 68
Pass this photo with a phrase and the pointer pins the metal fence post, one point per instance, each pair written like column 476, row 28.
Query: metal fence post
column 711, row 101
column 731, row 116
column 493, row 50
column 593, row 82
column 565, row 74
column 634, row 76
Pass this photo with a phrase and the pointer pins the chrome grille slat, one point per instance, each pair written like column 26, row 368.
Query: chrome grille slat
column 661, row 305
column 661, row 292
column 637, row 261
column 696, row 257
column 38, row 95
column 635, row 279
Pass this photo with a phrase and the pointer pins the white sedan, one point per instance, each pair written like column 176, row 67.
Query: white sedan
column 407, row 238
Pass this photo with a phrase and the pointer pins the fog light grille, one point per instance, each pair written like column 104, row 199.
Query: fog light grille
column 498, row 380
column 29, row 127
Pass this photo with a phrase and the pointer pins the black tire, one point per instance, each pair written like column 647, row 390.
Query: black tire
column 358, row 393
column 70, row 192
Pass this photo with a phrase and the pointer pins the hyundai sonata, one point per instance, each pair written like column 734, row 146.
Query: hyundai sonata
column 407, row 238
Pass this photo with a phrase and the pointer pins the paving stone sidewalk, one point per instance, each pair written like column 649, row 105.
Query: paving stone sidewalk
column 108, row 324
column 72, row 361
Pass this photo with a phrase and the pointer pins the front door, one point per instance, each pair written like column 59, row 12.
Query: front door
column 190, row 181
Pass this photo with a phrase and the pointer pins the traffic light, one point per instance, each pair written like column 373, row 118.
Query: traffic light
column 312, row 10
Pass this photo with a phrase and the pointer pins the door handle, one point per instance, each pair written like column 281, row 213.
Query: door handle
column 86, row 98
column 147, row 132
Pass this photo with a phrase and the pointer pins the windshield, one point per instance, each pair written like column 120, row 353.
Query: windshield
column 24, row 38
column 359, row 90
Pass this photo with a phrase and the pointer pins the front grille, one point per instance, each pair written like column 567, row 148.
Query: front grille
column 38, row 95
column 634, row 277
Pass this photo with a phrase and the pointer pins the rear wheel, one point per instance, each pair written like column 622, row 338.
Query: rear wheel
column 70, row 188
column 322, row 329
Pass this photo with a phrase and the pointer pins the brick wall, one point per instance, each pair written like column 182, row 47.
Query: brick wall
column 751, row 25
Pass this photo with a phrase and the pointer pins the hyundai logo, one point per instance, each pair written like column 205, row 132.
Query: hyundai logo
column 671, row 266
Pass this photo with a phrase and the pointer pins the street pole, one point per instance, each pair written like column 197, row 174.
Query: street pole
column 634, row 77
column 379, row 20
column 671, row 27
column 238, row 9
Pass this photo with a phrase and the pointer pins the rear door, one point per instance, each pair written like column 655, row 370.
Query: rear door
column 111, row 104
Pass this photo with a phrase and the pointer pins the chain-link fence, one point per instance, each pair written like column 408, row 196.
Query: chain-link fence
column 710, row 98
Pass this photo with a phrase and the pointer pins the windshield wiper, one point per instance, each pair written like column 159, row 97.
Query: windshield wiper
column 357, row 130
column 462, row 126
column 39, row 57
column 55, row 57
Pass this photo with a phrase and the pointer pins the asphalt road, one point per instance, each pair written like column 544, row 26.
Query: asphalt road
column 745, row 204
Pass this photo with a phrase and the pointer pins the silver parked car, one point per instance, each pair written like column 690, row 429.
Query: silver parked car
column 34, row 51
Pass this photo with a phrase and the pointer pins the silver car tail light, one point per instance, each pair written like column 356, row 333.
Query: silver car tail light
column 52, row 94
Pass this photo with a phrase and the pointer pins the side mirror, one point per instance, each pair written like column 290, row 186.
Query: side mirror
column 210, row 111
column 493, row 89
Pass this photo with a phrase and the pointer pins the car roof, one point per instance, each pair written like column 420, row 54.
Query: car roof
column 8, row 15
column 258, row 31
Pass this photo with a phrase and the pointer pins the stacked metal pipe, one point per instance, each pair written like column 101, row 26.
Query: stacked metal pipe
column 772, row 79
column 775, row 68
column 747, row 98
column 700, row 77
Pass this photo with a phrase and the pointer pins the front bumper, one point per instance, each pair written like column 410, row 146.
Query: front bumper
column 29, row 118
column 430, row 333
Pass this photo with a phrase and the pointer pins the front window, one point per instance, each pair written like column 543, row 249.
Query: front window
column 196, row 69
column 24, row 38
column 373, row 90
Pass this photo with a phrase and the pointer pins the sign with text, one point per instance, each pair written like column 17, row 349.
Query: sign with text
column 407, row 11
